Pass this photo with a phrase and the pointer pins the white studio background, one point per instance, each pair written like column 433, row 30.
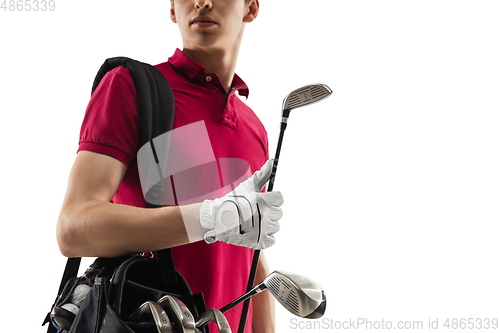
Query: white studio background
column 391, row 185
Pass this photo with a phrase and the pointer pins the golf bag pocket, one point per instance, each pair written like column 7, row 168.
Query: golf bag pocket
column 65, row 310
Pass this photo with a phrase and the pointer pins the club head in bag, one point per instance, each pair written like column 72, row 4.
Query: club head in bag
column 305, row 96
column 216, row 316
column 150, row 308
column 299, row 295
column 180, row 314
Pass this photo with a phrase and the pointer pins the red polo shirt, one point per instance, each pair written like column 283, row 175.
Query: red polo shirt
column 110, row 127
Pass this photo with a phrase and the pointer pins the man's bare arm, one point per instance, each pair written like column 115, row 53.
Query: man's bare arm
column 90, row 225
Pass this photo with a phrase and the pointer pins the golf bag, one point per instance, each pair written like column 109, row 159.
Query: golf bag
column 104, row 298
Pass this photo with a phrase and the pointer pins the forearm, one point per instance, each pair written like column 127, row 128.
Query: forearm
column 263, row 304
column 95, row 228
column 90, row 225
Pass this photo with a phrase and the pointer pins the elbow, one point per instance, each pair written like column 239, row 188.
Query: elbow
column 65, row 236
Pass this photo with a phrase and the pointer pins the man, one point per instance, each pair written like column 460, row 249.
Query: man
column 204, row 84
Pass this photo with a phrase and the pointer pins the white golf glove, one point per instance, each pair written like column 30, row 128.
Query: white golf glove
column 244, row 217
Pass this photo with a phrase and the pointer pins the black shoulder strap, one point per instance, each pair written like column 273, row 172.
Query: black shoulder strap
column 155, row 99
column 71, row 270
column 156, row 108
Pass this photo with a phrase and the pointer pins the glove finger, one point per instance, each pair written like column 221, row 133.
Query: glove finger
column 268, row 241
column 261, row 177
column 272, row 228
column 274, row 214
column 274, row 198
column 210, row 236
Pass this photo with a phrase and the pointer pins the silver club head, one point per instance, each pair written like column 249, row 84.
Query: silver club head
column 159, row 315
column 215, row 316
column 305, row 96
column 299, row 295
column 179, row 312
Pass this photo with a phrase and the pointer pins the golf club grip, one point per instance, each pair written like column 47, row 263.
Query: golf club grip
column 270, row 186
column 255, row 260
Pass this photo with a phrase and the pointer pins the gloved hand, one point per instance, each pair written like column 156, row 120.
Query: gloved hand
column 245, row 216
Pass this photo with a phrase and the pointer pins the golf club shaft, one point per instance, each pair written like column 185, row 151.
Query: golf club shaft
column 255, row 260
column 259, row 288
column 270, row 186
column 300, row 97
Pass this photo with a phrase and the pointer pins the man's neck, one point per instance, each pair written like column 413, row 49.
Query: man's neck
column 217, row 61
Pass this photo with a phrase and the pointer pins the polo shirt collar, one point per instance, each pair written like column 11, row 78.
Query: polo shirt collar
column 192, row 69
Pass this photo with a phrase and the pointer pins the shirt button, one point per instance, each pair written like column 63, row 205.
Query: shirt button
column 209, row 78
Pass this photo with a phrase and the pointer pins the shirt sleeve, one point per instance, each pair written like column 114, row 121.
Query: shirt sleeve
column 111, row 124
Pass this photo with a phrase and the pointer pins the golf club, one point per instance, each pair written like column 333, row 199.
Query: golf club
column 298, row 294
column 296, row 99
column 300, row 97
column 217, row 317
column 150, row 308
column 182, row 317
